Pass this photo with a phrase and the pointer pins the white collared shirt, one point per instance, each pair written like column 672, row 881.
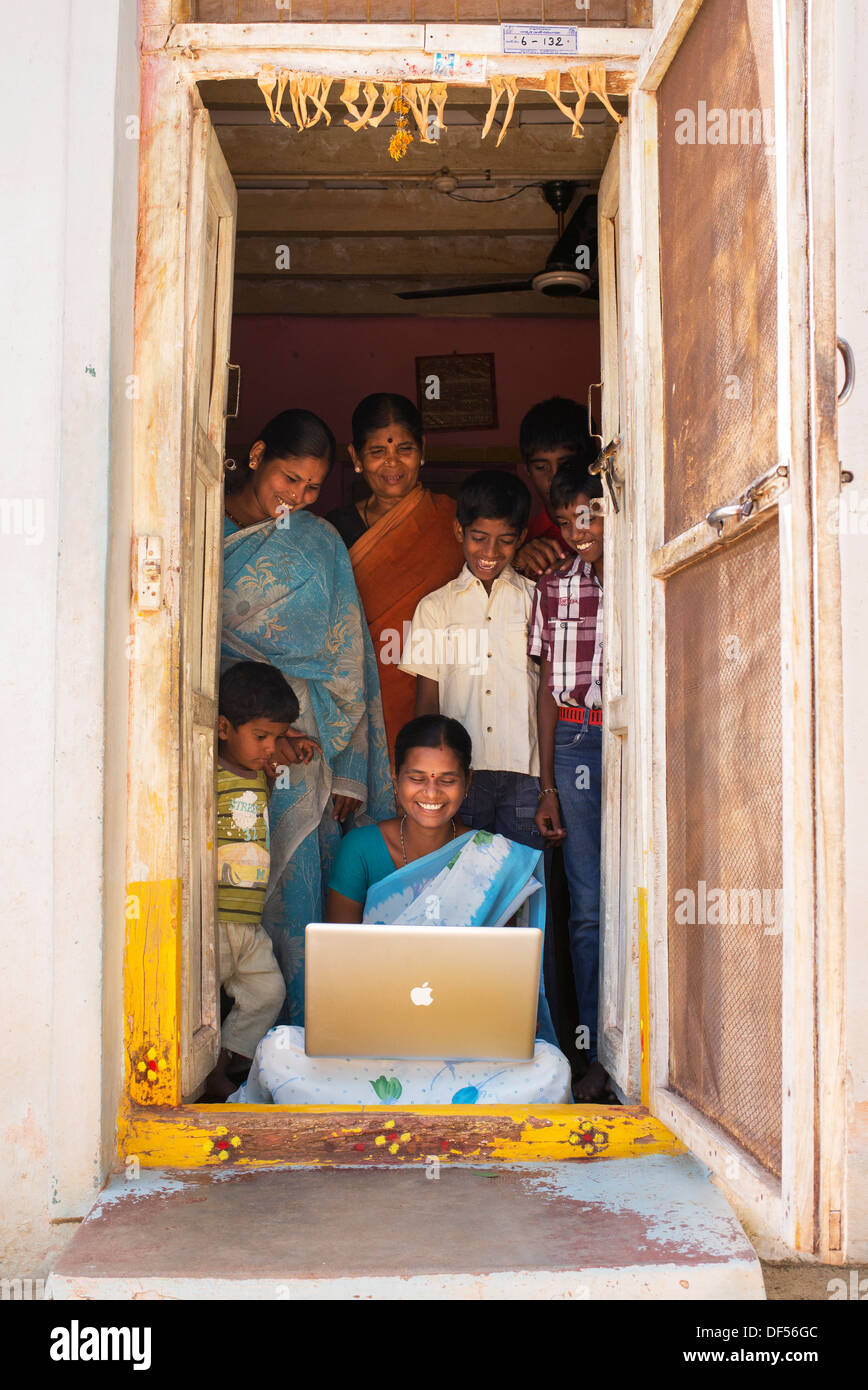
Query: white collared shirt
column 474, row 645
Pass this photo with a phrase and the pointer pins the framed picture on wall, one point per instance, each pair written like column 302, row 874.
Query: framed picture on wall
column 457, row 391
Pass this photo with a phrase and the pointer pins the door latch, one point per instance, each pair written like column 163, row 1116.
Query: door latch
column 743, row 505
column 603, row 463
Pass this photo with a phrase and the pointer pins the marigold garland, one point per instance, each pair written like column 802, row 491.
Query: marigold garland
column 402, row 136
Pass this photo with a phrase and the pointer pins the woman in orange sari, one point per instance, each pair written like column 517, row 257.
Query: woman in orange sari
column 402, row 539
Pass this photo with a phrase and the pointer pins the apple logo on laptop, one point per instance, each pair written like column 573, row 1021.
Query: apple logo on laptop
column 422, row 994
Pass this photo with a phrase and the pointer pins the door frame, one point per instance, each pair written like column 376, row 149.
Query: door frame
column 155, row 1128
column 623, row 1011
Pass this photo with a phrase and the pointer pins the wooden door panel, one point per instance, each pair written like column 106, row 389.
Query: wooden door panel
column 724, row 818
column 719, row 235
column 210, row 254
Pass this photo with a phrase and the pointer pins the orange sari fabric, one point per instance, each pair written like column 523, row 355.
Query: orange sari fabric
column 404, row 556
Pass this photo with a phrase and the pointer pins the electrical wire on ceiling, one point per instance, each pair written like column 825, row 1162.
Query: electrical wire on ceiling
column 462, row 198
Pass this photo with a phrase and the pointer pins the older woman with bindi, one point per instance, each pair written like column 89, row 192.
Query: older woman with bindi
column 401, row 538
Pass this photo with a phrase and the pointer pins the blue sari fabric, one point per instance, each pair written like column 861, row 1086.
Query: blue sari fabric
column 289, row 598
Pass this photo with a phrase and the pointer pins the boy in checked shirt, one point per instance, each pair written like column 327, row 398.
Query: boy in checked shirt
column 566, row 635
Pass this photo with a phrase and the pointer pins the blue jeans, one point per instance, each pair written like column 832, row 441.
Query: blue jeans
column 504, row 803
column 578, row 760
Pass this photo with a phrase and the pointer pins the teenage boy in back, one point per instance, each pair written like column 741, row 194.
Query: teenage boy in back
column 552, row 433
column 256, row 707
column 467, row 647
column 567, row 637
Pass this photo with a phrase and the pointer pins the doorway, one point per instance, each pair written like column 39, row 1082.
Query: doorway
column 155, row 933
column 372, row 274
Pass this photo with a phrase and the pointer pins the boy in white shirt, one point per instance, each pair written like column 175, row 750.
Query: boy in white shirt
column 467, row 647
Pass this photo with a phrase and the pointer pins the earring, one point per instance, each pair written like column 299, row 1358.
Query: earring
column 230, row 465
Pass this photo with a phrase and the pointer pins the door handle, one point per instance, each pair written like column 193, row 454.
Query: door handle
column 846, row 352
column 233, row 367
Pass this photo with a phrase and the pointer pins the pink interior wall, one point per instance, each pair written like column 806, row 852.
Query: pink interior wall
column 328, row 364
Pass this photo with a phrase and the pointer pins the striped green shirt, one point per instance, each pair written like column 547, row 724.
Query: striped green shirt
column 242, row 845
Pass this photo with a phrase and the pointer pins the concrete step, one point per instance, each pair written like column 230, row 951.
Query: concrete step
column 649, row 1227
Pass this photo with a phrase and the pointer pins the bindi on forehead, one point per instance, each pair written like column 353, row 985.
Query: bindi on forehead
column 389, row 439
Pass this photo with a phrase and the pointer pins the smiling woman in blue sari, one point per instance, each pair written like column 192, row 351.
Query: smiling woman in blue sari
column 391, row 873
column 289, row 598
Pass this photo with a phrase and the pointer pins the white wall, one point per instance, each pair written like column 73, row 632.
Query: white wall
column 851, row 175
column 70, row 79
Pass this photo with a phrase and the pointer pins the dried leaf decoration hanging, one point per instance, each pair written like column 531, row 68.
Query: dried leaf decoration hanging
column 350, row 96
column 581, row 81
column 282, row 79
column 499, row 85
column 586, row 81
column 265, row 82
column 597, row 84
column 402, row 137
column 319, row 93
column 305, row 87
column 553, row 90
column 422, row 94
column 439, row 91
column 391, row 92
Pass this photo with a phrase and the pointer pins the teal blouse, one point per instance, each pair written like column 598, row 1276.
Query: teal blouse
column 362, row 860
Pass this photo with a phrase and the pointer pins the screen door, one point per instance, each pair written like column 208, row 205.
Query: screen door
column 726, row 469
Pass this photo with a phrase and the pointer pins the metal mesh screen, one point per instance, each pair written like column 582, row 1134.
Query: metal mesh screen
column 718, row 259
column 724, row 838
column 598, row 13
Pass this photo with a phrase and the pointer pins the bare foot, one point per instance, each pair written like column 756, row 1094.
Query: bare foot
column 218, row 1084
column 592, row 1086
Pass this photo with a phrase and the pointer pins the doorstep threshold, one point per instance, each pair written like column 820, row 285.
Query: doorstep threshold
column 648, row 1227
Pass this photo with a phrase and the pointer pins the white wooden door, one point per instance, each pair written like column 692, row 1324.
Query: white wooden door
column 735, row 418
column 619, row 1041
column 210, row 261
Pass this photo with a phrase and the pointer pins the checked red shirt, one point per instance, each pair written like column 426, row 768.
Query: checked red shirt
column 566, row 627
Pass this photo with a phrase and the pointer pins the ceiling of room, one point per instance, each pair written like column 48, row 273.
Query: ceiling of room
column 359, row 226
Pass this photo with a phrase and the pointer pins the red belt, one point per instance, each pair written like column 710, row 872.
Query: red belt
column 576, row 714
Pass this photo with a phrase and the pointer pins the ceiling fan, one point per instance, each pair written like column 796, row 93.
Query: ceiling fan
column 560, row 277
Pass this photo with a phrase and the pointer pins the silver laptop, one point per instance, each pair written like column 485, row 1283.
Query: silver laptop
column 400, row 992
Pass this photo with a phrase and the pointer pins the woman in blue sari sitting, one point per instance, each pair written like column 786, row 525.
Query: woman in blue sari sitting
column 387, row 873
column 289, row 598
